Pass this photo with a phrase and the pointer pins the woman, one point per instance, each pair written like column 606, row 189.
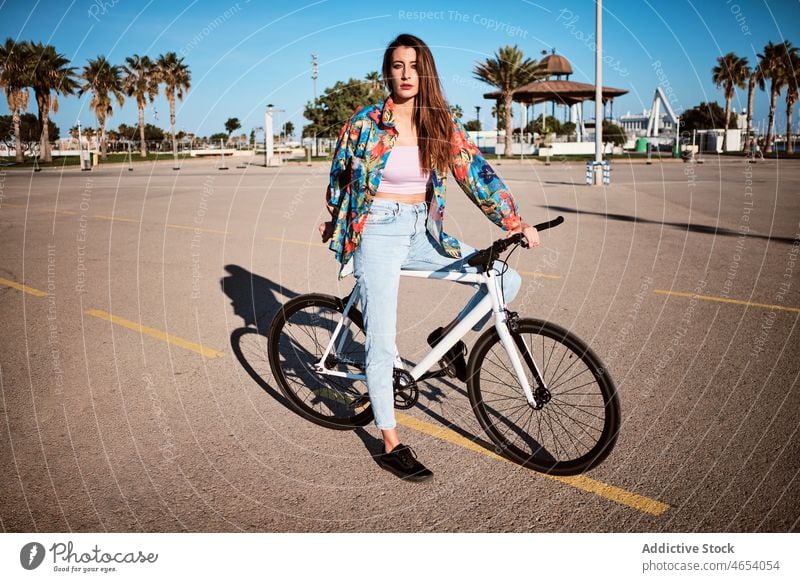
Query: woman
column 386, row 199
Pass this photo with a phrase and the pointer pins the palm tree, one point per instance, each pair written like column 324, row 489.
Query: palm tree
column 498, row 111
column 50, row 73
column 731, row 72
column 508, row 71
column 141, row 81
column 755, row 79
column 177, row 79
column 374, row 80
column 104, row 80
column 792, row 81
column 457, row 111
column 773, row 63
column 14, row 78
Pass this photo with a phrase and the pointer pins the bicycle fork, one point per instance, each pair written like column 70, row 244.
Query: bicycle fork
column 322, row 365
column 514, row 344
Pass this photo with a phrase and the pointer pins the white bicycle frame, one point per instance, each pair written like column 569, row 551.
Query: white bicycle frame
column 492, row 302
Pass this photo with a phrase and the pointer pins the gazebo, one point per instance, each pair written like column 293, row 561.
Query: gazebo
column 564, row 92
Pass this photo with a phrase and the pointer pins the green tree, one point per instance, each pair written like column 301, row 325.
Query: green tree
column 27, row 132
column 499, row 114
column 140, row 80
column 508, row 71
column 613, row 133
column 15, row 79
column 232, row 125
column 730, row 72
column 545, row 126
column 792, row 81
column 128, row 131
column 151, row 132
column 104, row 81
column 457, row 112
column 219, row 136
column 705, row 116
column 374, row 80
column 177, row 80
column 288, row 129
column 336, row 105
column 774, row 63
column 568, row 128
column 51, row 76
column 473, row 125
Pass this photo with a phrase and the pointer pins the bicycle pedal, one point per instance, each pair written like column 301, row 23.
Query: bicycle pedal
column 448, row 369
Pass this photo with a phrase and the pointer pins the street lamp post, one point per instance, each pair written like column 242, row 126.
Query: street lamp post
column 599, row 110
column 314, row 71
column 80, row 149
column 598, row 80
column 478, row 119
column 268, row 129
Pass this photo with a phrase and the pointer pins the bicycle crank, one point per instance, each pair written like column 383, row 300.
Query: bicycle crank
column 406, row 392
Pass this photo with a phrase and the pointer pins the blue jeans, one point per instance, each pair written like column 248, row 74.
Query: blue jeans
column 395, row 238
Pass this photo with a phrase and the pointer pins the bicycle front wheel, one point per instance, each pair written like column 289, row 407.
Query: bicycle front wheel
column 575, row 429
column 298, row 337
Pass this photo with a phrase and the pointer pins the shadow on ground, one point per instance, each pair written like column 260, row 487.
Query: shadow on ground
column 254, row 299
column 700, row 228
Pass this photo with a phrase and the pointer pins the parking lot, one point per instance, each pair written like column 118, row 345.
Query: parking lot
column 136, row 393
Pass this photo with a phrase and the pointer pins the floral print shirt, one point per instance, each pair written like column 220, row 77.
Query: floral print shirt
column 359, row 158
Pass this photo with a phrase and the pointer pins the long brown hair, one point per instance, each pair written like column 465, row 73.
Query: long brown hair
column 432, row 117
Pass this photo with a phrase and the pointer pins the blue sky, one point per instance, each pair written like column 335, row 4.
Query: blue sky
column 245, row 54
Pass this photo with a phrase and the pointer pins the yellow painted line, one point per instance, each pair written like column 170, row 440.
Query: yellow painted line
column 538, row 274
column 293, row 241
column 610, row 492
column 119, row 218
column 37, row 209
column 21, row 287
column 158, row 334
column 197, row 228
column 726, row 300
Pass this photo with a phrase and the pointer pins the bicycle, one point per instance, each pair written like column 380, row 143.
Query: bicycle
column 542, row 395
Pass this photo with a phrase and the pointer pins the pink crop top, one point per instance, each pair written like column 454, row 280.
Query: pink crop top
column 402, row 173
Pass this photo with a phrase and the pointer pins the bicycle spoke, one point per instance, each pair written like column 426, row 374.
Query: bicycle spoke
column 593, row 381
column 569, row 433
column 576, row 360
column 306, row 333
column 572, row 392
column 575, row 437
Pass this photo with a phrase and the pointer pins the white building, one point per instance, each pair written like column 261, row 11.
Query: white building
column 635, row 124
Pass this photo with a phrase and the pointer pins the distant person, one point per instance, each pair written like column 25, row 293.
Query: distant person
column 755, row 149
column 386, row 199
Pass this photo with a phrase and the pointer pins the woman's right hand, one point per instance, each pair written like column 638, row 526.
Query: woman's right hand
column 326, row 230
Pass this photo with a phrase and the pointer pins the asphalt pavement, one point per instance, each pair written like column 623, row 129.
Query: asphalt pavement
column 137, row 396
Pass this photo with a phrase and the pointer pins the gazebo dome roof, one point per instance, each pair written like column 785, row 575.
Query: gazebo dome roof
column 556, row 65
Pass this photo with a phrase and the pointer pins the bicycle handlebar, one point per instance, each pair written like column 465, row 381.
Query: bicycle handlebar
column 484, row 258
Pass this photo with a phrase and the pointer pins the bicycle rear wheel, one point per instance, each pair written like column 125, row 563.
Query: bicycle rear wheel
column 298, row 337
column 575, row 430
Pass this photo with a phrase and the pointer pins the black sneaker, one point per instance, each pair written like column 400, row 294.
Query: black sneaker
column 402, row 461
column 453, row 361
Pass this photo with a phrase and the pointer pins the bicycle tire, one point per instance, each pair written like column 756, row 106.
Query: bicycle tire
column 545, row 439
column 298, row 336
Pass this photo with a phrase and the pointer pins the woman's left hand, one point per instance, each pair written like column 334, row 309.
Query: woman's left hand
column 531, row 234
